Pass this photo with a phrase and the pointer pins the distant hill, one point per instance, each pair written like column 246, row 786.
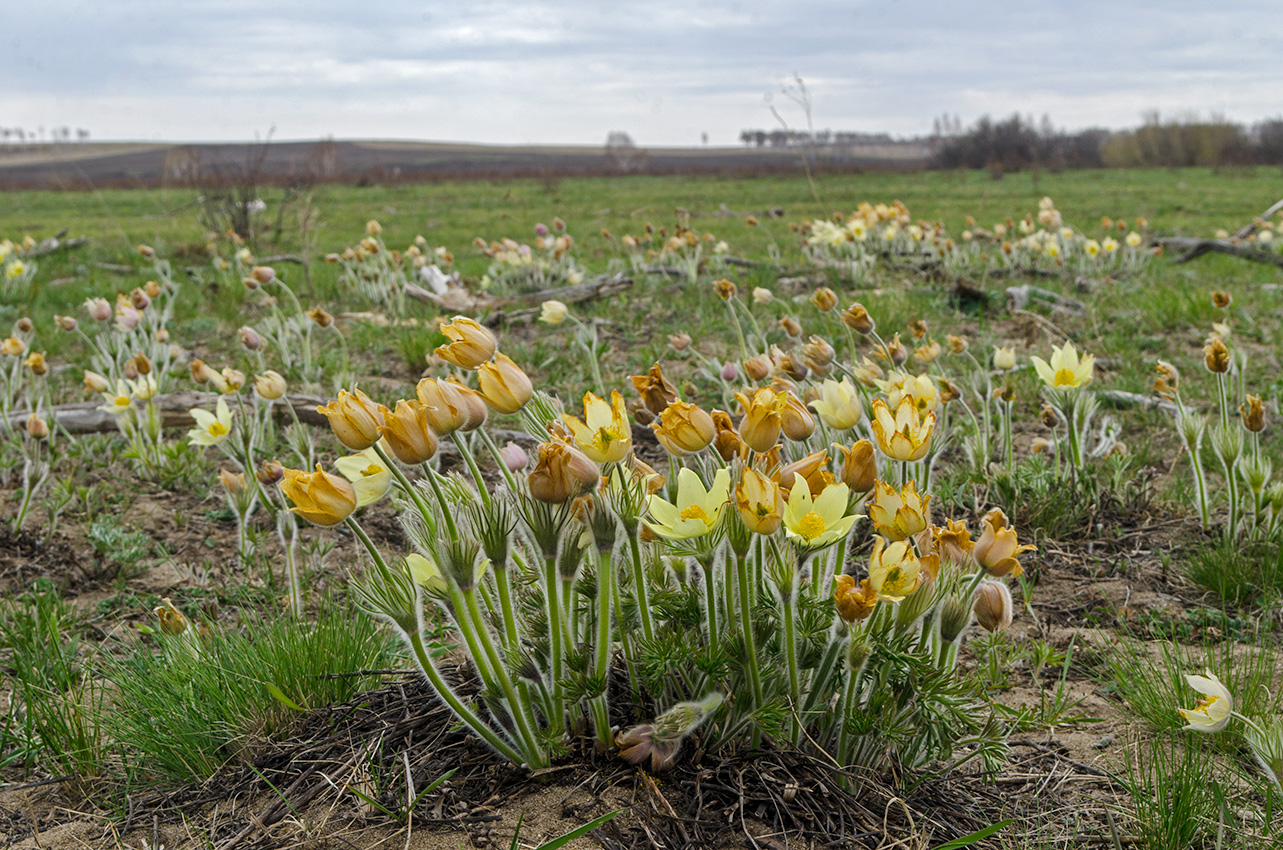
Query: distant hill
column 83, row 165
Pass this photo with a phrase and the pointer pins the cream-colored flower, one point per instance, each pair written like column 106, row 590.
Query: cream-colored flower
column 902, row 435
column 899, row 514
column 370, row 476
column 839, row 404
column 1065, row 369
column 604, row 433
column 819, row 522
column 1214, row 710
column 211, row 429
column 698, row 510
column 553, row 312
column 896, row 571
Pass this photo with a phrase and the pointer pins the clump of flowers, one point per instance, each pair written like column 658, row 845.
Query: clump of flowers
column 548, row 263
column 685, row 252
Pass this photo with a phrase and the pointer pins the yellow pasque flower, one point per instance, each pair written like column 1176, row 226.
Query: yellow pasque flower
column 211, row 429
column 697, row 512
column 1065, row 369
column 760, row 427
column 370, row 476
column 896, row 571
column 144, row 387
column 902, row 435
column 427, row 575
column 899, row 514
column 1214, row 710
column 684, row 428
column 759, row 502
column 354, row 418
column 561, row 473
column 854, row 602
column 922, row 389
column 319, row 497
column 1004, row 358
column 819, row 522
column 471, row 344
column 13, row 347
column 998, row 548
column 504, row 385
column 604, row 433
column 407, row 432
column 839, row 404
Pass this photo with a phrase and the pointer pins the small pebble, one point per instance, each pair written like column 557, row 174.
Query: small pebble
column 1104, row 742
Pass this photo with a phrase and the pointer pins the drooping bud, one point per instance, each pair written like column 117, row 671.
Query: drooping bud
column 993, row 606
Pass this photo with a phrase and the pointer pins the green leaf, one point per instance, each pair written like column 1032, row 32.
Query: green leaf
column 968, row 840
column 580, row 830
column 283, row 699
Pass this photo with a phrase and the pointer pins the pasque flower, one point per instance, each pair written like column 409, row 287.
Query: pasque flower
column 604, row 434
column 839, row 404
column 763, row 410
column 504, row 386
column 319, row 497
column 902, row 435
column 1066, row 368
column 370, row 476
column 1214, row 710
column 698, row 510
column 859, row 467
column 354, row 418
column 561, row 473
column 819, row 522
column 655, row 390
column 896, row 571
column 211, row 429
column 684, row 428
column 471, row 344
column 854, row 602
column 446, row 406
column 998, row 548
column 759, row 502
column 899, row 514
column 408, row 433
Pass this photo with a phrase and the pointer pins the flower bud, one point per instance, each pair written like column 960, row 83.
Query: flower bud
column 99, row 309
column 955, row 616
column 762, row 295
column 319, row 497
column 320, row 316
column 37, row 427
column 139, row 299
column 152, row 288
column 729, row 372
column 684, row 428
column 36, row 363
column 270, row 385
column 514, row 457
column 250, row 338
column 679, row 341
column 859, row 470
column 757, row 367
column 447, row 409
column 552, row 312
column 795, row 420
column 270, row 472
column 96, row 383
column 66, row 323
column 791, row 327
column 725, row 289
column 993, row 606
column 407, row 432
column 1040, row 445
column 24, row 325
column 899, row 354
column 1004, row 359
column 854, row 602
column 162, row 335
column 263, row 274
column 355, row 419
column 200, row 371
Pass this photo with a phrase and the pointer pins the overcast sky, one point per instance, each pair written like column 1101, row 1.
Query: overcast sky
column 503, row 71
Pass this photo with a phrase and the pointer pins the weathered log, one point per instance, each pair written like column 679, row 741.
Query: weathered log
column 1195, row 247
column 1119, row 398
column 1248, row 229
column 1021, row 296
column 461, row 300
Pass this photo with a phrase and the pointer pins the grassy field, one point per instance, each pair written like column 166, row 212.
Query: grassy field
column 1127, row 591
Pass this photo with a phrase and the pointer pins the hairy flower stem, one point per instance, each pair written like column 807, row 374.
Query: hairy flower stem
column 744, row 570
column 289, row 542
column 601, row 661
column 520, row 709
column 556, row 648
column 462, row 446
column 461, row 710
column 1200, row 485
column 405, row 484
column 1008, row 438
column 434, row 480
column 503, row 584
column 739, row 331
column 640, row 592
column 846, row 713
column 708, row 576
column 790, row 651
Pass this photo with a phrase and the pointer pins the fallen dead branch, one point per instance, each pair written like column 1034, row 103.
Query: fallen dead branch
column 1118, row 398
column 457, row 299
column 1195, row 247
column 1020, row 297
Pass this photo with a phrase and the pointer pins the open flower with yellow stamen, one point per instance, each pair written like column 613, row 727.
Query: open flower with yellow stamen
column 896, row 571
column 698, row 510
column 604, row 433
column 899, row 514
column 1066, row 368
column 903, row 435
column 920, row 388
column 1214, row 710
column 119, row 402
column 369, row 475
column 820, row 522
column 759, row 501
column 211, row 428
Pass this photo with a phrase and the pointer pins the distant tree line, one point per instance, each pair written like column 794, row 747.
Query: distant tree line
column 801, row 138
column 1019, row 142
column 23, row 136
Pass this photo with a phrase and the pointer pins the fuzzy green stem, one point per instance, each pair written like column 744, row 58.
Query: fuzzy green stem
column 555, row 637
column 795, row 679
column 434, row 480
column 601, row 663
column 640, row 592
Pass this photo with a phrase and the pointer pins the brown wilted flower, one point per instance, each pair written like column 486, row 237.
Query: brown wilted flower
column 1253, row 412
column 824, row 299
column 1221, row 299
column 725, row 289
column 561, row 473
column 918, row 328
column 320, row 316
column 727, row 442
column 1216, row 356
column 679, row 341
column 655, row 390
column 957, row 344
column 854, row 603
column 791, row 326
